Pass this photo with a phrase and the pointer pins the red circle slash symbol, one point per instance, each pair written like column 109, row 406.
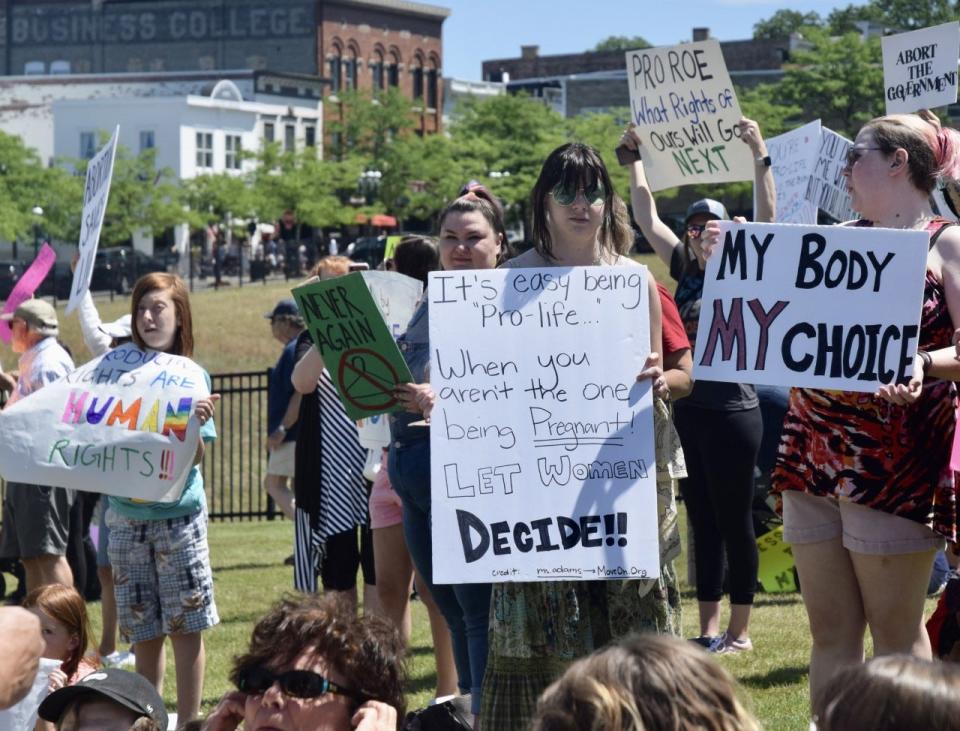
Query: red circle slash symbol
column 366, row 380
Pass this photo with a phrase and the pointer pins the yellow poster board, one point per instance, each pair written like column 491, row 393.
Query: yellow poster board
column 776, row 563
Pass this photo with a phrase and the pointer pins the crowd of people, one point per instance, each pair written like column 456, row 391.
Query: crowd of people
column 869, row 500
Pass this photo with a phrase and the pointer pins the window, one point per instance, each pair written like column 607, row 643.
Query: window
column 335, row 64
column 268, row 132
column 157, row 64
column 310, row 136
column 147, row 140
column 134, row 64
column 350, row 73
column 34, row 68
column 233, row 152
column 393, row 70
column 204, row 149
column 376, row 72
column 289, row 138
column 432, row 94
column 88, row 145
column 418, row 83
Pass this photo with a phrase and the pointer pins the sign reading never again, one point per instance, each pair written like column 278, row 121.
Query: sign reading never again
column 833, row 307
column 687, row 115
column 357, row 347
column 542, row 447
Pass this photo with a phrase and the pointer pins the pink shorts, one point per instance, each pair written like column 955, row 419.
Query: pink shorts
column 813, row 519
column 386, row 509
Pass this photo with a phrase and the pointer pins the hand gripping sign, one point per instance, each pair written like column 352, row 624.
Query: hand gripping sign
column 121, row 425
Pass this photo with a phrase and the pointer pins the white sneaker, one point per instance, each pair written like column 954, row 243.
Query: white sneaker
column 120, row 659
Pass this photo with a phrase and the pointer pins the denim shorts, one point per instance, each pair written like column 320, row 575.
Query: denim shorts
column 162, row 575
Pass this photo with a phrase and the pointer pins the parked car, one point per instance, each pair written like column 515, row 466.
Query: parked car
column 118, row 267
column 369, row 249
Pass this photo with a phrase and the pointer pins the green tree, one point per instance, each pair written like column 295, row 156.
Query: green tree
column 622, row 43
column 897, row 15
column 365, row 124
column 784, row 22
column 420, row 176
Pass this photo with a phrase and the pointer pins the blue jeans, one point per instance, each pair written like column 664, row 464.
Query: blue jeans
column 465, row 607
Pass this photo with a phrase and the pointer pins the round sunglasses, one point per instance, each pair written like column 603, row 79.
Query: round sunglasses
column 565, row 195
column 295, row 683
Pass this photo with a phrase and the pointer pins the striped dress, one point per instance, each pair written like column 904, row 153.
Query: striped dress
column 331, row 496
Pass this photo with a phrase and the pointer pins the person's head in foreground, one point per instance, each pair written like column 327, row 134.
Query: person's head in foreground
column 892, row 693
column 106, row 700
column 31, row 322
column 574, row 204
column 313, row 665
column 472, row 233
column 63, row 617
column 644, row 683
column 896, row 156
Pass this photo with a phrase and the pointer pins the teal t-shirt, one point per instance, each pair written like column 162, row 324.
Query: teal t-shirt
column 192, row 500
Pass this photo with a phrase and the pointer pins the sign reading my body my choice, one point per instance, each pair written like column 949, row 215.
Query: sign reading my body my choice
column 356, row 345
column 833, row 307
column 686, row 112
column 542, row 447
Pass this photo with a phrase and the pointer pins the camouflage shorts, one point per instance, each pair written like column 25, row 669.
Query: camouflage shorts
column 162, row 575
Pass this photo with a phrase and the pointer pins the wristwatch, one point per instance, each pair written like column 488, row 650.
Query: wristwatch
column 282, row 429
column 765, row 161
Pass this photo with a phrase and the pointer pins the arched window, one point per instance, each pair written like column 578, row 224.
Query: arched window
column 350, row 64
column 417, row 73
column 393, row 70
column 377, row 71
column 335, row 66
column 433, row 82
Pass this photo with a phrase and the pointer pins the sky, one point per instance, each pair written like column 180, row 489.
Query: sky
column 479, row 30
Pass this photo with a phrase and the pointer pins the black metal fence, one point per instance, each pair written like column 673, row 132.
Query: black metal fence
column 234, row 466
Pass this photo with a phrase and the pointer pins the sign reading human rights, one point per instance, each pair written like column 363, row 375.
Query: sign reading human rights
column 96, row 190
column 920, row 68
column 794, row 156
column 542, row 444
column 122, row 425
column 833, row 307
column 356, row 345
column 686, row 112
column 828, row 188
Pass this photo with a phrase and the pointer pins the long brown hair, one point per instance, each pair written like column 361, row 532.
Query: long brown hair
column 183, row 340
column 580, row 166
column 65, row 605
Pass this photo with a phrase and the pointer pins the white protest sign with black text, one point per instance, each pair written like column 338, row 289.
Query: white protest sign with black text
column 121, row 424
column 96, row 190
column 686, row 112
column 920, row 68
column 396, row 295
column 543, row 464
column 833, row 307
column 828, row 187
column 793, row 157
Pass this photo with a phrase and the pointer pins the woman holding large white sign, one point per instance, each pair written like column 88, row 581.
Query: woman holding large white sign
column 719, row 423
column 868, row 493
column 537, row 629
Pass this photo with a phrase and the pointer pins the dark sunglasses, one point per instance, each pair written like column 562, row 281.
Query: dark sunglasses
column 855, row 153
column 565, row 195
column 694, row 229
column 295, row 683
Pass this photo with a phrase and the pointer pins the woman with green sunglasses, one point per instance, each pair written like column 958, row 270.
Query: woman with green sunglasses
column 538, row 629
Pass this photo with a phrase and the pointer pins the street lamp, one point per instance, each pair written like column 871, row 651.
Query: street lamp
column 38, row 212
column 369, row 184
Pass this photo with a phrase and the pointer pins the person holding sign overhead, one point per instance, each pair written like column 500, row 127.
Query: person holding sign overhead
column 720, row 424
column 868, row 492
column 539, row 628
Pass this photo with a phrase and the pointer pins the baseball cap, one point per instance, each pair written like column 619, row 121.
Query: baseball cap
column 119, row 328
column 708, row 206
column 130, row 690
column 284, row 307
column 38, row 314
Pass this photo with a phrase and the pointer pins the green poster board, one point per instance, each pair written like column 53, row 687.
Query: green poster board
column 355, row 343
column 392, row 242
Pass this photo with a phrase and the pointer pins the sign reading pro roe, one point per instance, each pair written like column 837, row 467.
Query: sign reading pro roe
column 542, row 464
column 920, row 68
column 686, row 112
column 834, row 307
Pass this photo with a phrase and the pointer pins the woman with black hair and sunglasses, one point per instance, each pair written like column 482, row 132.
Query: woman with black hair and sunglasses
column 720, row 424
column 537, row 629
column 314, row 665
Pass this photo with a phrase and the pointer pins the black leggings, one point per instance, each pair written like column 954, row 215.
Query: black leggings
column 720, row 448
column 343, row 557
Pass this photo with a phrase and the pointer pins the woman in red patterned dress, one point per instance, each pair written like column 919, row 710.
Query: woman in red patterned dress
column 868, row 493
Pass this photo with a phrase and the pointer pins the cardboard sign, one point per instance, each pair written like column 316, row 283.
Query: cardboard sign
column 834, row 307
column 828, row 188
column 396, row 296
column 95, row 193
column 920, row 68
column 794, row 156
column 775, row 572
column 27, row 285
column 121, row 425
column 542, row 445
column 356, row 345
column 686, row 112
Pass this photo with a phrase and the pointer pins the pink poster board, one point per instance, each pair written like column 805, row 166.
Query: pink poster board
column 27, row 285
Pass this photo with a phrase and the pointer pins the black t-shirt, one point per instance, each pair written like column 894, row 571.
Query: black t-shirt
column 706, row 394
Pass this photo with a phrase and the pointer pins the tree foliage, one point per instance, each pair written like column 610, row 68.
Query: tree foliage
column 622, row 43
column 784, row 22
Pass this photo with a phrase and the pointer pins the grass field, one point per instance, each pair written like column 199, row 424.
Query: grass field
column 232, row 335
